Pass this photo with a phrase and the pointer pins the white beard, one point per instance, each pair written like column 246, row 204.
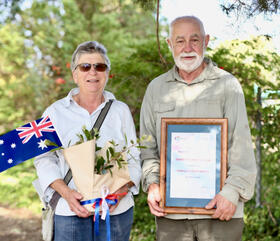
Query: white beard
column 188, row 65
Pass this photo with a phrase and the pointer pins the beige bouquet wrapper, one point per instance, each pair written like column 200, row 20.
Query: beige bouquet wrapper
column 81, row 159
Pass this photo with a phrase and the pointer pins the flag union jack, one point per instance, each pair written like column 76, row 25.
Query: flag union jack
column 17, row 146
column 34, row 128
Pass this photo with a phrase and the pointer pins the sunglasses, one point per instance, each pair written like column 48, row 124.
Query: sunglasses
column 85, row 67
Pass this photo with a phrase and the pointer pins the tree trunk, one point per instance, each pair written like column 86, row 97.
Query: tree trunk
column 158, row 42
column 258, row 149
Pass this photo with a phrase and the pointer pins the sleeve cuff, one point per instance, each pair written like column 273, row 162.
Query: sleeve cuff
column 148, row 181
column 135, row 189
column 230, row 194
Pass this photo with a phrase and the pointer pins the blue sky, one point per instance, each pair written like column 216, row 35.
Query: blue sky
column 217, row 24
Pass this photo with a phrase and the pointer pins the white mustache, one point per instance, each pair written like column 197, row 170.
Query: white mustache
column 188, row 55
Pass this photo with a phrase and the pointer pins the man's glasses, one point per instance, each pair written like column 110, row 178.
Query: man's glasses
column 85, row 67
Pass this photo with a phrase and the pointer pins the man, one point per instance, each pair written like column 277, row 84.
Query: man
column 196, row 88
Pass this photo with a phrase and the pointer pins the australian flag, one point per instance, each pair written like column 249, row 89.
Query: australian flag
column 26, row 142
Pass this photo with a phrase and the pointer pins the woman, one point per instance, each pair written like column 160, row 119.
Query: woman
column 90, row 69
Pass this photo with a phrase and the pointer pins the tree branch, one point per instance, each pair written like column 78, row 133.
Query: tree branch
column 163, row 61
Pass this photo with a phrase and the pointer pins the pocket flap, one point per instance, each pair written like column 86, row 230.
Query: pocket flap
column 164, row 107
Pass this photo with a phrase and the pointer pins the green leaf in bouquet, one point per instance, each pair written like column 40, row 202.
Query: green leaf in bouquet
column 131, row 156
column 112, row 142
column 56, row 149
column 50, row 143
column 96, row 133
column 118, row 155
column 141, row 147
column 119, row 164
column 100, row 161
column 108, row 167
column 108, row 155
column 81, row 139
column 87, row 134
column 97, row 148
column 125, row 137
column 112, row 151
column 146, row 138
column 114, row 157
column 120, row 161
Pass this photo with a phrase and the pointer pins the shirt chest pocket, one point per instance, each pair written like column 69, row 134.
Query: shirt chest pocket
column 164, row 110
column 208, row 108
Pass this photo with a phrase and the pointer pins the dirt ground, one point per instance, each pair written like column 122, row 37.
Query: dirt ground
column 19, row 225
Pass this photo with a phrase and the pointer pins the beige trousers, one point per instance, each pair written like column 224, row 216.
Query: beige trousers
column 199, row 230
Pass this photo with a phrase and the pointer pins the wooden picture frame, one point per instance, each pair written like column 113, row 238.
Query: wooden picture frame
column 193, row 163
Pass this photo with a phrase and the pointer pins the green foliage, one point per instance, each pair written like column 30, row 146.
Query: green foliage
column 250, row 8
column 144, row 227
column 35, row 53
column 263, row 223
column 132, row 74
column 36, row 48
column 87, row 135
column 17, row 189
column 12, row 76
column 255, row 63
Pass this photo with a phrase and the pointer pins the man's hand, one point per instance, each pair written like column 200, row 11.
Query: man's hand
column 225, row 209
column 153, row 200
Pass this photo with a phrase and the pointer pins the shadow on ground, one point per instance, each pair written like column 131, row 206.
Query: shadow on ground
column 19, row 224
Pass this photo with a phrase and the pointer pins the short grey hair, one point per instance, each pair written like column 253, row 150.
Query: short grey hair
column 186, row 19
column 90, row 47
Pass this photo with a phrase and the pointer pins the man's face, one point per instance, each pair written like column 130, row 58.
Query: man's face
column 188, row 45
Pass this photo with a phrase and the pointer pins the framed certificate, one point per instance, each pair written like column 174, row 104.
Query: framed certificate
column 193, row 163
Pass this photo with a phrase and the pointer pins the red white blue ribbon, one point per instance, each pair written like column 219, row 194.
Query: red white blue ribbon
column 103, row 202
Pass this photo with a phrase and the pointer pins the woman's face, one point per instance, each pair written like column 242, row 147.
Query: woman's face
column 92, row 81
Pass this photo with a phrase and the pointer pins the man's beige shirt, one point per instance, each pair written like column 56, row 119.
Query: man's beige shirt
column 215, row 93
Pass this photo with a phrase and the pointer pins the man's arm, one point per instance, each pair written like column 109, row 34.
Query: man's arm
column 240, row 181
column 150, row 156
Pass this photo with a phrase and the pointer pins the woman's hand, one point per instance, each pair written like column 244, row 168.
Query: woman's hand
column 72, row 197
column 123, row 189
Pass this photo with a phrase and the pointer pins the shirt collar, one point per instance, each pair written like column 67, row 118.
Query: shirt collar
column 208, row 73
column 69, row 98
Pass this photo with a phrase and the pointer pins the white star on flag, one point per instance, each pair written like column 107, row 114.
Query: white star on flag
column 42, row 144
column 24, row 142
